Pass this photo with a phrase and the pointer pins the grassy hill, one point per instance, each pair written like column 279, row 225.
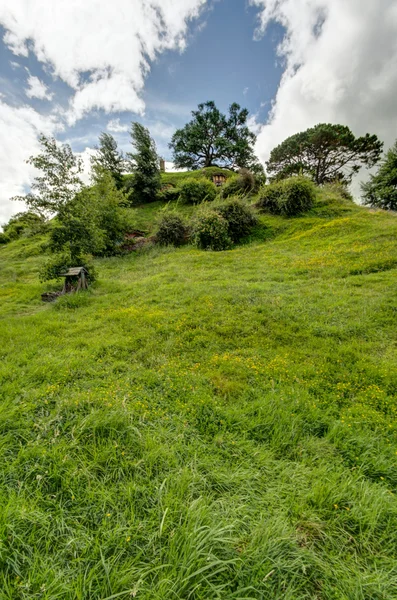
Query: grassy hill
column 205, row 425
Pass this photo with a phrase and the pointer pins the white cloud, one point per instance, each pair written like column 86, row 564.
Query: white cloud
column 19, row 130
column 37, row 89
column 340, row 67
column 254, row 125
column 115, row 126
column 113, row 42
column 160, row 130
column 171, row 168
column 86, row 160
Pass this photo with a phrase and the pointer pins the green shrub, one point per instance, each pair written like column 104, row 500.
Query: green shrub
column 240, row 218
column 169, row 194
column 244, row 184
column 4, row 239
column 299, row 195
column 289, row 197
column 232, row 187
column 171, row 231
column 194, row 191
column 61, row 261
column 270, row 196
column 210, row 231
column 24, row 224
column 339, row 188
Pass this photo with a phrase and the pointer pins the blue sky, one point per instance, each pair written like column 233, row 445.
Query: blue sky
column 222, row 62
column 73, row 69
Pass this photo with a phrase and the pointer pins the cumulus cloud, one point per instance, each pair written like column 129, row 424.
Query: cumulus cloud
column 37, row 89
column 19, row 130
column 101, row 50
column 340, row 67
column 115, row 126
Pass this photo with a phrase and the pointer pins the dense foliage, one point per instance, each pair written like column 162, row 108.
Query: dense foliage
column 144, row 163
column 59, row 180
column 243, row 184
column 211, row 231
column 324, row 153
column 289, row 197
column 240, row 218
column 214, row 139
column 171, row 231
column 169, row 193
column 108, row 158
column 22, row 224
column 92, row 222
column 194, row 191
column 381, row 189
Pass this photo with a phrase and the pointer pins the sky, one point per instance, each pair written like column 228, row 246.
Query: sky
column 73, row 69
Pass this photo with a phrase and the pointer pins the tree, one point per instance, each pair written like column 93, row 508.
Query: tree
column 213, row 139
column 91, row 222
column 59, row 181
column 108, row 158
column 144, row 165
column 324, row 153
column 381, row 189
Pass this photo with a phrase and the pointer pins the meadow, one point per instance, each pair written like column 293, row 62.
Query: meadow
column 205, row 425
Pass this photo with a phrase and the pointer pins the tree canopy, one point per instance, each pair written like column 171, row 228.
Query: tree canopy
column 144, row 164
column 108, row 158
column 324, row 153
column 214, row 139
column 381, row 189
column 59, row 180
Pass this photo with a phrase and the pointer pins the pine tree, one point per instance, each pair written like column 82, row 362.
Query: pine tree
column 381, row 189
column 144, row 165
column 108, row 158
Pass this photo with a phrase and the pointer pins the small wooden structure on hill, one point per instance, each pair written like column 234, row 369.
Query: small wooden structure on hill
column 76, row 279
column 219, row 179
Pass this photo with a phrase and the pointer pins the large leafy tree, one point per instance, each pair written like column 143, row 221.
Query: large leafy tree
column 381, row 189
column 144, row 164
column 108, row 158
column 214, row 139
column 59, row 178
column 324, row 153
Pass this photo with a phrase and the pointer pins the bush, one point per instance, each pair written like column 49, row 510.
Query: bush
column 93, row 222
column 210, row 231
column 339, row 188
column 169, row 194
column 24, row 224
column 171, row 231
column 232, row 188
column 270, row 196
column 299, row 195
column 240, row 218
column 61, row 262
column 4, row 239
column 289, row 197
column 245, row 183
column 194, row 191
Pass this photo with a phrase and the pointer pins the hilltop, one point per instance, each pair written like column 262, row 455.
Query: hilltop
column 205, row 424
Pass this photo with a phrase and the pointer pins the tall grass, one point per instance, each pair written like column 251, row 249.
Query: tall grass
column 205, row 425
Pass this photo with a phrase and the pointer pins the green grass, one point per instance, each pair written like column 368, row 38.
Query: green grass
column 205, row 425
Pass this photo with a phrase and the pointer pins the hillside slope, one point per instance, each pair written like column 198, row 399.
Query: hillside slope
column 205, row 425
